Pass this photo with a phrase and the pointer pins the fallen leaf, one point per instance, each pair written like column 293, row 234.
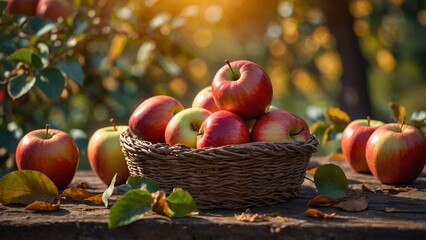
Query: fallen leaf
column 312, row 170
column 96, row 199
column 356, row 205
column 82, row 184
column 247, row 216
column 43, row 206
column 159, row 203
column 367, row 189
column 321, row 200
column 109, row 191
column 315, row 213
column 78, row 194
column 398, row 189
column 336, row 156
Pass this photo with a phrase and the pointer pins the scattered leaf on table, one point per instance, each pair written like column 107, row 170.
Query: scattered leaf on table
column 78, row 194
column 315, row 213
column 321, row 200
column 367, row 189
column 109, row 191
column 82, row 184
column 129, row 208
column 43, row 206
column 96, row 199
column 247, row 216
column 330, row 180
column 398, row 189
column 336, row 156
column 160, row 205
column 356, row 205
column 181, row 203
column 312, row 170
column 25, row 187
column 398, row 112
column 139, row 182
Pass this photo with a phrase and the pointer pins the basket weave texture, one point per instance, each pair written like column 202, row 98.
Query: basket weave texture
column 228, row 177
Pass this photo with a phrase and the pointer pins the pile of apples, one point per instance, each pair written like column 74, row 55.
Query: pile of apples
column 233, row 110
column 394, row 153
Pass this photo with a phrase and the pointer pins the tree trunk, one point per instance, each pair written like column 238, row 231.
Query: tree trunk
column 354, row 96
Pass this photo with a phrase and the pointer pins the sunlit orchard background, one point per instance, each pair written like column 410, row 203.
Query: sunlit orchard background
column 118, row 53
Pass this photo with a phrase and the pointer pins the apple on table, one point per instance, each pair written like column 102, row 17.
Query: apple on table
column 280, row 126
column 183, row 127
column 105, row 154
column 354, row 140
column 242, row 87
column 50, row 151
column 149, row 120
column 222, row 128
column 396, row 153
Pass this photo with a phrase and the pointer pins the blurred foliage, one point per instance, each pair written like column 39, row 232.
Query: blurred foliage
column 108, row 56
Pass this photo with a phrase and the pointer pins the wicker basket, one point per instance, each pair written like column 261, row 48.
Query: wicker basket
column 228, row 177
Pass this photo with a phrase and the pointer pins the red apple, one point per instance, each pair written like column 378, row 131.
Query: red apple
column 50, row 151
column 204, row 99
column 280, row 126
column 149, row 120
column 396, row 153
column 53, row 9
column 183, row 127
column 353, row 142
column 222, row 128
column 242, row 87
column 21, row 7
column 105, row 155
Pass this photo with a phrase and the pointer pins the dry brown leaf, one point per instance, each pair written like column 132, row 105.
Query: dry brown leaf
column 78, row 194
column 159, row 204
column 315, row 213
column 96, row 199
column 247, row 216
column 356, row 205
column 312, row 170
column 321, row 200
column 367, row 189
column 82, row 184
column 398, row 189
column 336, row 156
column 43, row 206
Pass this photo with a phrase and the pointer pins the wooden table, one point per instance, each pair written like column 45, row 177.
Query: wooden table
column 389, row 215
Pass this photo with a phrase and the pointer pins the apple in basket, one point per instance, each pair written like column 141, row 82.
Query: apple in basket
column 280, row 126
column 204, row 99
column 183, row 127
column 149, row 120
column 353, row 142
column 242, row 87
column 50, row 151
column 222, row 128
column 105, row 155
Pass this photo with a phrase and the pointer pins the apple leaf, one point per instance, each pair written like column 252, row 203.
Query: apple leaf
column 51, row 82
column 181, row 203
column 43, row 206
column 109, row 191
column 331, row 181
column 27, row 56
column 72, row 69
column 25, row 187
column 129, row 208
column 78, row 194
column 95, row 199
column 138, row 182
column 160, row 204
column 398, row 112
column 39, row 25
column 337, row 117
column 20, row 85
column 315, row 213
column 321, row 200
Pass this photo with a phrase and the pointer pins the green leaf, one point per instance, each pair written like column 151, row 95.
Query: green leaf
column 138, row 182
column 38, row 25
column 109, row 191
column 181, row 203
column 20, row 85
column 331, row 181
column 44, row 53
column 25, row 187
column 73, row 69
column 129, row 208
column 51, row 82
column 27, row 56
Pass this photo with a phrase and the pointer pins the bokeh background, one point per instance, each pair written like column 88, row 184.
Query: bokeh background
column 357, row 55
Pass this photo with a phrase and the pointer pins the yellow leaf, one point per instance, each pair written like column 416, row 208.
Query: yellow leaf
column 315, row 213
column 96, row 199
column 117, row 46
column 312, row 170
column 43, row 206
column 398, row 112
column 336, row 156
column 78, row 194
column 338, row 117
column 321, row 200
column 160, row 204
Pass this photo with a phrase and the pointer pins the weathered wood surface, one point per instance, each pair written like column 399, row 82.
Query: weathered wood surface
column 77, row 220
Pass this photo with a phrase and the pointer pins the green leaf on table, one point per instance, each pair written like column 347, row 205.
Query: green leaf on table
column 72, row 69
column 51, row 82
column 39, row 25
column 181, row 203
column 27, row 56
column 25, row 187
column 331, row 181
column 20, row 85
column 109, row 191
column 139, row 182
column 129, row 208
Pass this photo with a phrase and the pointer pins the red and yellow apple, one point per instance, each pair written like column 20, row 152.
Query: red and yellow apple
column 222, row 128
column 353, row 142
column 54, row 9
column 50, row 151
column 204, row 99
column 149, row 120
column 396, row 153
column 21, row 7
column 280, row 126
column 105, row 155
column 242, row 87
column 183, row 127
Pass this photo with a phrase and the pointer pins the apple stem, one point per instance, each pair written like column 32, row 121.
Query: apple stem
column 368, row 121
column 402, row 124
column 47, row 130
column 232, row 71
column 113, row 124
